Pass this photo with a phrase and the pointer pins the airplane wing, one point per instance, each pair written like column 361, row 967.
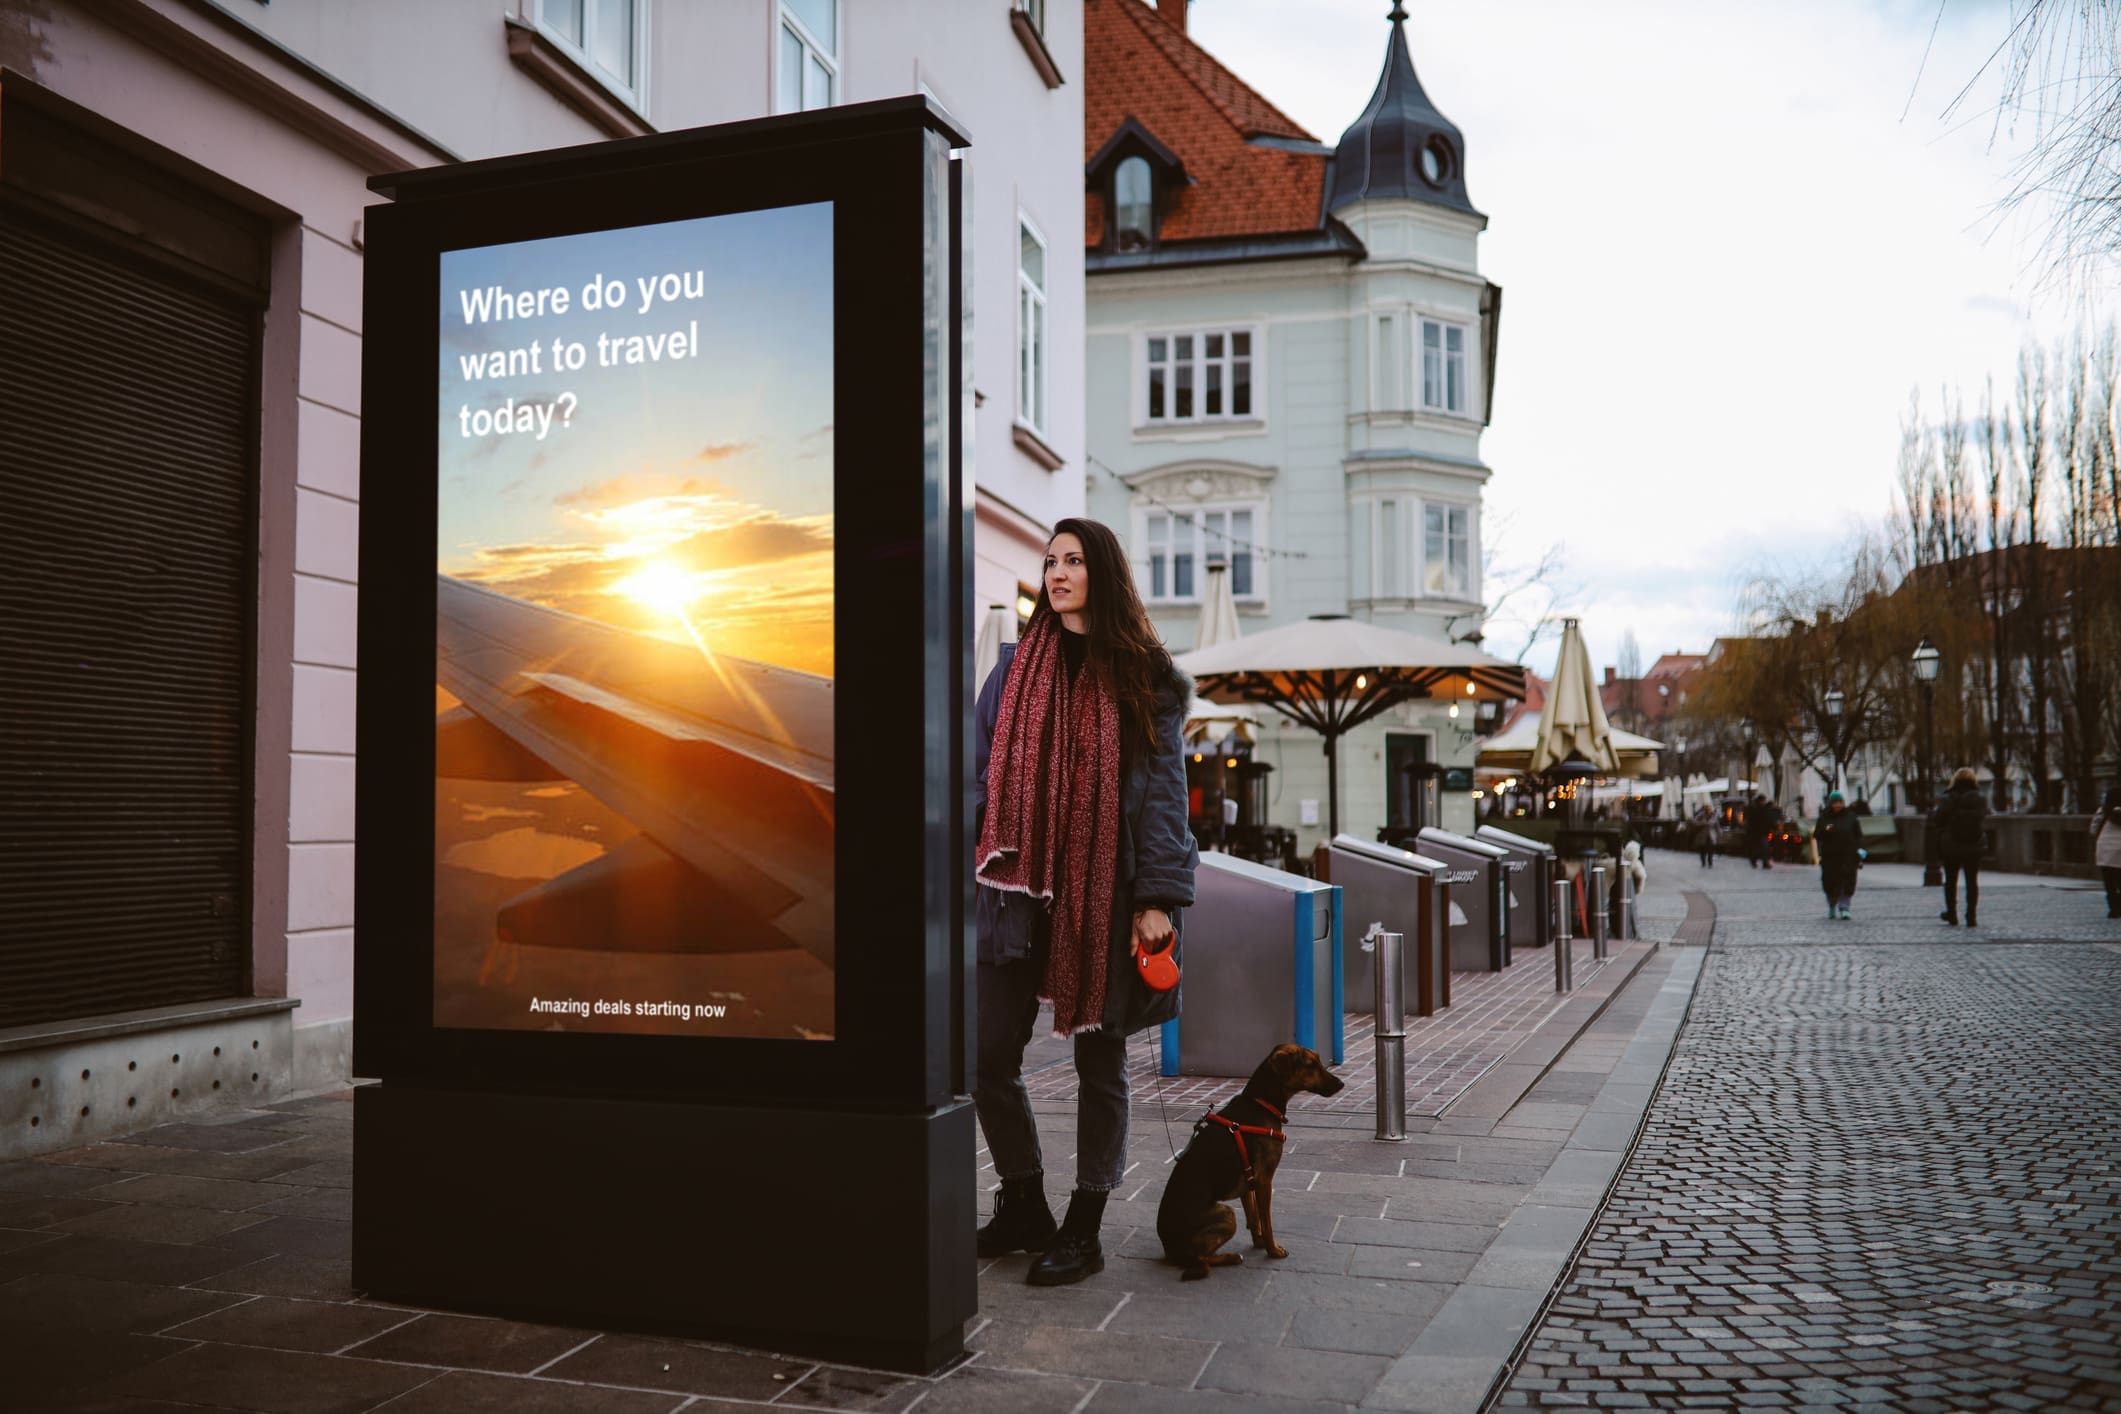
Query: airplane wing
column 724, row 762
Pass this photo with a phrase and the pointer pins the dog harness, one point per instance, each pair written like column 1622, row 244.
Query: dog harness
column 1239, row 1131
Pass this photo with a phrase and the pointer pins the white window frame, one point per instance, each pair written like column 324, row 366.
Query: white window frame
column 1203, row 548
column 1391, row 388
column 1033, row 359
column 1470, row 592
column 1256, row 358
column 1035, row 12
column 1464, row 356
column 1391, row 531
column 814, row 46
column 634, row 95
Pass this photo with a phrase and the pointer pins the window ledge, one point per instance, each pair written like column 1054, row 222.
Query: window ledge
column 559, row 71
column 1034, row 446
column 1035, row 45
column 1204, row 427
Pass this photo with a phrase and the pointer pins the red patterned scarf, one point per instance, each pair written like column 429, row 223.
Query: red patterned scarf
column 1052, row 826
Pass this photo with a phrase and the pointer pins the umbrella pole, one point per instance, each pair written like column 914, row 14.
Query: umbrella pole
column 1332, row 786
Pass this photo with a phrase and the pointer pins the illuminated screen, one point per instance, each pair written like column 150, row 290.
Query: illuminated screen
column 634, row 631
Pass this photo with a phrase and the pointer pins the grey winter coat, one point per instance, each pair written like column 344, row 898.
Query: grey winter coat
column 1157, row 856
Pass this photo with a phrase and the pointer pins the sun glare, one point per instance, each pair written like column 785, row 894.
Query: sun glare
column 663, row 587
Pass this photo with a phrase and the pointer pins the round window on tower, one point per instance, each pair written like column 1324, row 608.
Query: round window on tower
column 1436, row 161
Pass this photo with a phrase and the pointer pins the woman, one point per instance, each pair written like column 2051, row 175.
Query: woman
column 1705, row 836
column 2106, row 842
column 1960, row 821
column 1838, row 848
column 1084, row 857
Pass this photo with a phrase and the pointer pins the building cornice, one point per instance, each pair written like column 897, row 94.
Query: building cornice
column 209, row 40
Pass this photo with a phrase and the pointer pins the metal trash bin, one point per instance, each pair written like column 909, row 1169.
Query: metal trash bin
column 1480, row 894
column 1532, row 875
column 1261, row 968
column 1408, row 894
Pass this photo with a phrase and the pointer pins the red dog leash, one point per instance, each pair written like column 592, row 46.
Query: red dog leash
column 1239, row 1131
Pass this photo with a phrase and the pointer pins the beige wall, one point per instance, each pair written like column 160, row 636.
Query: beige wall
column 297, row 103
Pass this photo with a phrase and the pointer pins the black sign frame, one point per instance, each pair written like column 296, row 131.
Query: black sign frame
column 901, row 631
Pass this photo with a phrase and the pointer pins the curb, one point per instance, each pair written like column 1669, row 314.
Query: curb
column 1468, row 1349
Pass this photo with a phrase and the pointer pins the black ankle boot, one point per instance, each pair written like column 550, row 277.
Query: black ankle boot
column 1022, row 1222
column 1076, row 1252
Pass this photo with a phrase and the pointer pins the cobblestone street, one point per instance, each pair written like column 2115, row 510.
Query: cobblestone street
column 1883, row 1170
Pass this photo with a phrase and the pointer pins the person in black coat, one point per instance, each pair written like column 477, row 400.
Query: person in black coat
column 1761, row 817
column 1960, row 822
column 1840, row 851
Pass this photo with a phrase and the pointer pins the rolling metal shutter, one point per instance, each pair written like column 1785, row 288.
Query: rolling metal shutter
column 128, row 397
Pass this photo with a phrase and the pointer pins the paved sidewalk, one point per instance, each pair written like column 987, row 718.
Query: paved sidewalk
column 207, row 1264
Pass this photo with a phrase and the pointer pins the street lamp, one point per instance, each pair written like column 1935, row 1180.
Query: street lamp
column 1928, row 664
column 1834, row 703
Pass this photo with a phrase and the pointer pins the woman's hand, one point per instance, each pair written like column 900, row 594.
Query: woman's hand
column 1152, row 930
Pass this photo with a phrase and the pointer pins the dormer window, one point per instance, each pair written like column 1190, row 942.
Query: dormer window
column 1135, row 178
column 1134, row 205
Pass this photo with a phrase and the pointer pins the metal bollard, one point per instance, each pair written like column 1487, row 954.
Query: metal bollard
column 1629, row 932
column 1564, row 945
column 1598, row 913
column 1389, row 975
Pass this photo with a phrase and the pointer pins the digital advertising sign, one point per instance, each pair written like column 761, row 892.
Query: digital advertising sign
column 661, row 438
column 634, row 793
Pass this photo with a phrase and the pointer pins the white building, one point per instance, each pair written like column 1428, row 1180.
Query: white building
column 182, row 186
column 1292, row 359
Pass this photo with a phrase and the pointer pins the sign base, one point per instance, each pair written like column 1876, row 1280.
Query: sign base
column 753, row 1225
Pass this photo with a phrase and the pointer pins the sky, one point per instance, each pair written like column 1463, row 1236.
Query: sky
column 679, row 482
column 1732, row 237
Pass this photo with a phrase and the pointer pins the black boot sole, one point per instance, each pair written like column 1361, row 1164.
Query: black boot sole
column 1089, row 1269
column 1034, row 1247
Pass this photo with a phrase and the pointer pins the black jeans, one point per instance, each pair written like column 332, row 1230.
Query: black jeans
column 1008, row 1009
column 2113, row 891
column 1952, row 870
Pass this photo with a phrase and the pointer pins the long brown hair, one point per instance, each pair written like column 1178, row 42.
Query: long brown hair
column 1123, row 642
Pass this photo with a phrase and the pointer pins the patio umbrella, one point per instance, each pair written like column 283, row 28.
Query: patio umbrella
column 997, row 628
column 1332, row 673
column 1207, row 721
column 1573, row 731
column 1510, row 750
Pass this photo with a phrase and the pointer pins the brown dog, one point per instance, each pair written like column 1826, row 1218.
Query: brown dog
column 1233, row 1154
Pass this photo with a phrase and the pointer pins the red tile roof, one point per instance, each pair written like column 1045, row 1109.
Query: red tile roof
column 1138, row 64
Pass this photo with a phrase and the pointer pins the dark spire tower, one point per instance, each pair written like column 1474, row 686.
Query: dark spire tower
column 1401, row 148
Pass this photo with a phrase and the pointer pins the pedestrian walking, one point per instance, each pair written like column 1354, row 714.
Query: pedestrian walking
column 1838, row 846
column 1084, row 860
column 1960, row 821
column 1705, row 836
column 2106, row 846
column 1761, row 817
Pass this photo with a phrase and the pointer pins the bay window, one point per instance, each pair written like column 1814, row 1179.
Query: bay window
column 1447, row 551
column 1443, row 366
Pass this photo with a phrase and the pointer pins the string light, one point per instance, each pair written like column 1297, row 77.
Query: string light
column 1193, row 516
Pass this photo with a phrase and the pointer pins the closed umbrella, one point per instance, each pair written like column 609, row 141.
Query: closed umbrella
column 997, row 628
column 1207, row 721
column 1332, row 673
column 1572, row 726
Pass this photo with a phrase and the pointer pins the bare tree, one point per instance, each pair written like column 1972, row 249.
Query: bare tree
column 2060, row 67
column 1526, row 599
